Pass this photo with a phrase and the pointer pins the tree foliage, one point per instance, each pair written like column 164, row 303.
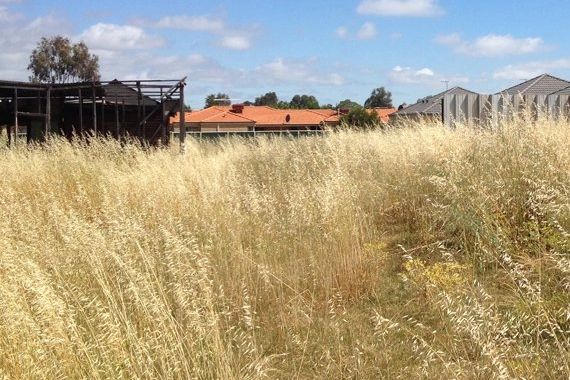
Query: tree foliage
column 269, row 99
column 379, row 98
column 57, row 60
column 219, row 99
column 360, row 118
column 347, row 104
column 304, row 101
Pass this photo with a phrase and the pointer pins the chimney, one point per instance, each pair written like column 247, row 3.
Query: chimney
column 237, row 108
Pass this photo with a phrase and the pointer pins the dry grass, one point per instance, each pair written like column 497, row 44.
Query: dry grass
column 416, row 253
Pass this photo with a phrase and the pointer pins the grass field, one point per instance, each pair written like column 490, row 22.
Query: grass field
column 413, row 253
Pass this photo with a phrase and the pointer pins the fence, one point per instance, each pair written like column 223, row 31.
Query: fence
column 283, row 133
column 489, row 109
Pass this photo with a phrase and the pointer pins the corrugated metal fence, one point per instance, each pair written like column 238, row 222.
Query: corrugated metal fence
column 490, row 109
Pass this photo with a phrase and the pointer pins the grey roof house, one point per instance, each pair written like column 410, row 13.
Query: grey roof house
column 544, row 84
column 430, row 107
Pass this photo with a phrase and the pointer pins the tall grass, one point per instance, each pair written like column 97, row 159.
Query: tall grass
column 413, row 253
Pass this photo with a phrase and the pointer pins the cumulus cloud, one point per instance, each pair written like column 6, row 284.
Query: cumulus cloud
column 236, row 42
column 282, row 70
column 193, row 23
column 402, row 8
column 492, row 45
column 531, row 69
column 230, row 37
column 118, row 37
column 423, row 76
column 367, row 31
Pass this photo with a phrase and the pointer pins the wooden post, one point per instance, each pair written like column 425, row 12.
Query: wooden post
column 80, row 112
column 94, row 100
column 103, row 129
column 182, row 129
column 16, row 128
column 163, row 120
column 123, row 117
column 139, row 132
column 48, row 113
column 117, row 127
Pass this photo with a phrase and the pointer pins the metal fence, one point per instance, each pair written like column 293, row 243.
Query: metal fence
column 489, row 109
column 250, row 134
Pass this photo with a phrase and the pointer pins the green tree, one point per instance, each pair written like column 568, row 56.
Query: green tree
column 269, row 99
column 304, row 101
column 360, row 118
column 379, row 98
column 347, row 104
column 218, row 99
column 57, row 60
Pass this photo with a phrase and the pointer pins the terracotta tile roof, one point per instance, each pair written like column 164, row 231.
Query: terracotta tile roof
column 384, row 113
column 260, row 115
column 227, row 117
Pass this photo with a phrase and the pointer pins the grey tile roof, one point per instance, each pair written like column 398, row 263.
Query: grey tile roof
column 544, row 84
column 432, row 105
column 564, row 91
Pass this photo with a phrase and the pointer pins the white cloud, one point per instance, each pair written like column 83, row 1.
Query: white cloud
column 282, row 70
column 193, row 23
column 367, row 31
column 409, row 8
column 235, row 38
column 342, row 32
column 492, row 45
column 423, row 76
column 112, row 37
column 236, row 42
column 531, row 69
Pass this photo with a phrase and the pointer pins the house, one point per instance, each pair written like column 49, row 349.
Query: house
column 384, row 113
column 241, row 118
column 139, row 109
column 429, row 108
column 544, row 84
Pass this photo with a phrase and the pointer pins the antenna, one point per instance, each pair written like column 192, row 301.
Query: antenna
column 446, row 84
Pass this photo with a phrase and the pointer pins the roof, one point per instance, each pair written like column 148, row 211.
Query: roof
column 432, row 104
column 544, row 84
column 260, row 115
column 564, row 91
column 125, row 94
column 384, row 113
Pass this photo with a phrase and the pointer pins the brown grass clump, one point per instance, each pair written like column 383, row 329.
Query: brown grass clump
column 412, row 253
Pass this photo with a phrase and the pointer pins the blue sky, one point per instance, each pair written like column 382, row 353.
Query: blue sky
column 331, row 49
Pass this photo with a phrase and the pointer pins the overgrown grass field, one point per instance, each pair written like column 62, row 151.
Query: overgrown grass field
column 411, row 253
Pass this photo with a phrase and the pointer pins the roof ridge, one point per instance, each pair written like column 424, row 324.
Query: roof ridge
column 230, row 113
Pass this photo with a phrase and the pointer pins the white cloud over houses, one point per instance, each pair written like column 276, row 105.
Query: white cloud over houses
column 531, row 69
column 424, row 76
column 112, row 37
column 229, row 37
column 283, row 70
column 401, row 8
column 367, row 31
column 492, row 45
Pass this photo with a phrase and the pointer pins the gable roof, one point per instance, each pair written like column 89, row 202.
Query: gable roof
column 260, row 115
column 432, row 105
column 544, row 84
column 125, row 94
